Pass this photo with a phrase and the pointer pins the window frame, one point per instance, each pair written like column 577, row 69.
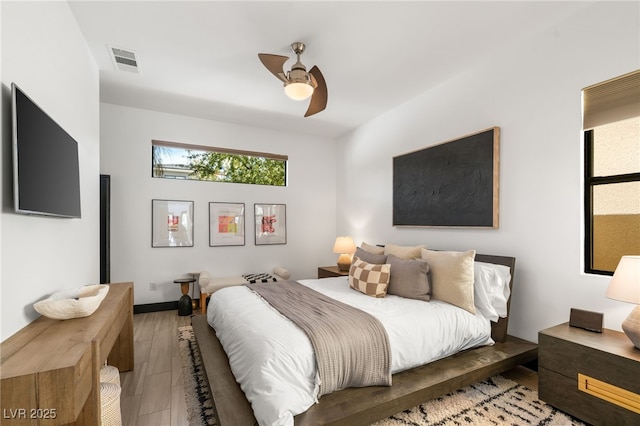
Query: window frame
column 590, row 181
column 219, row 150
column 603, row 103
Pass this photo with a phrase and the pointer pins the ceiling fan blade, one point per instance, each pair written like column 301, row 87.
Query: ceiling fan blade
column 275, row 64
column 319, row 96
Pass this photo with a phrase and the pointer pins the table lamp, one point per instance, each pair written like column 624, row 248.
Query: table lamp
column 345, row 247
column 625, row 287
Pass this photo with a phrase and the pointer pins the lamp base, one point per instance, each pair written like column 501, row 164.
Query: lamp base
column 631, row 327
column 344, row 262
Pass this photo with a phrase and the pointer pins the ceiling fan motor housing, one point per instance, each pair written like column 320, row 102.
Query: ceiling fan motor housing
column 299, row 75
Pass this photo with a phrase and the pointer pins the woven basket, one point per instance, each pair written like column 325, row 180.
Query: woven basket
column 110, row 404
column 109, row 374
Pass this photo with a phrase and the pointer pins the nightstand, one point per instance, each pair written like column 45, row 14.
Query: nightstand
column 592, row 376
column 331, row 271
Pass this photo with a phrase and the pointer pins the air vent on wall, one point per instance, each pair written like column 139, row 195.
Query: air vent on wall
column 124, row 60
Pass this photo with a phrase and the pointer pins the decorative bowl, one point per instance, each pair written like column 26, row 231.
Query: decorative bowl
column 73, row 303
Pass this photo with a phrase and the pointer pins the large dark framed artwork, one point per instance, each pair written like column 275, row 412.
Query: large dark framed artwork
column 451, row 184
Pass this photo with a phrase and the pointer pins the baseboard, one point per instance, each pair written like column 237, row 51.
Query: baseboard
column 158, row 307
column 155, row 307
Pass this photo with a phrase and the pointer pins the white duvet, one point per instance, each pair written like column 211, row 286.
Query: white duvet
column 273, row 360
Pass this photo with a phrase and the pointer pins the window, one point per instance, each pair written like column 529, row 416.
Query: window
column 172, row 160
column 612, row 172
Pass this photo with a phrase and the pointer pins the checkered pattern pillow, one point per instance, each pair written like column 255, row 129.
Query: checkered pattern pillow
column 369, row 278
column 259, row 278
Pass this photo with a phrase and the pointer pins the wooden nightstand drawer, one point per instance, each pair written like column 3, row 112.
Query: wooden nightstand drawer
column 566, row 352
column 614, row 394
column 562, row 392
column 580, row 351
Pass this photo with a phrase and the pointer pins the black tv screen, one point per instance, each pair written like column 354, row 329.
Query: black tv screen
column 46, row 173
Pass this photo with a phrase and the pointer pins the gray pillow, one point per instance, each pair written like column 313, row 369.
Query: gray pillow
column 409, row 278
column 377, row 259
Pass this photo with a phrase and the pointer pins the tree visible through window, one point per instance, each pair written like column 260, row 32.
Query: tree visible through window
column 177, row 161
column 612, row 172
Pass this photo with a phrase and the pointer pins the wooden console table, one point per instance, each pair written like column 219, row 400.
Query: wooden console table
column 50, row 369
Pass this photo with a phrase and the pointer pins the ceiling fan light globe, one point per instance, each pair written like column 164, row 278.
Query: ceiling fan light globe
column 298, row 91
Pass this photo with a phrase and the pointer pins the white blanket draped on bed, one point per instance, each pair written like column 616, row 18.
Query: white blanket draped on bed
column 273, row 360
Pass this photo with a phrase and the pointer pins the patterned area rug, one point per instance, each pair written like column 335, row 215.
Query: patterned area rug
column 200, row 409
column 495, row 401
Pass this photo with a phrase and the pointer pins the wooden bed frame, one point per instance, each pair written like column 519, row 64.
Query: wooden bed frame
column 362, row 406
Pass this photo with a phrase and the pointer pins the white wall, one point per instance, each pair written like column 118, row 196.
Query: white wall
column 45, row 54
column 533, row 92
column 126, row 135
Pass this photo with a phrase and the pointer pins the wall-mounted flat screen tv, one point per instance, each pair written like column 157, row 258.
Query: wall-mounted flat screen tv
column 46, row 172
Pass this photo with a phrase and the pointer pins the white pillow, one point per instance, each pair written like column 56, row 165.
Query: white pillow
column 491, row 289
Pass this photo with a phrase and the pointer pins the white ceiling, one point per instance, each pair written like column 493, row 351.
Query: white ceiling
column 200, row 58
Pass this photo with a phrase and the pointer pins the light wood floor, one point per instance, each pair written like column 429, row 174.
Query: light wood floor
column 153, row 393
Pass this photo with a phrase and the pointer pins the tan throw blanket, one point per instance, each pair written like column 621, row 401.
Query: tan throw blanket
column 352, row 347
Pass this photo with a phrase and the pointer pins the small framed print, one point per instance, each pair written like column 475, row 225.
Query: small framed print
column 226, row 224
column 270, row 223
column 171, row 223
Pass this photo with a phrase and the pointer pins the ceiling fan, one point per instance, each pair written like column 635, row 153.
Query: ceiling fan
column 298, row 83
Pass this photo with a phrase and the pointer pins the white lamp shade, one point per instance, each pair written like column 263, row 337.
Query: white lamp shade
column 625, row 284
column 344, row 245
column 298, row 91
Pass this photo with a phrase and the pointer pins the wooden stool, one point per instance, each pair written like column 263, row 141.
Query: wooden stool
column 185, row 306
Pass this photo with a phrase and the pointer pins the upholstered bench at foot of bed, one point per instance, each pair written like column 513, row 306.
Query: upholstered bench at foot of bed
column 214, row 285
column 209, row 285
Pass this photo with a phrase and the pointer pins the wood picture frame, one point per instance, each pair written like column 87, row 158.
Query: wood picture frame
column 270, row 224
column 171, row 223
column 226, row 224
column 451, row 184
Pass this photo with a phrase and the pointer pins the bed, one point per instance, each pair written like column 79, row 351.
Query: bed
column 367, row 404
